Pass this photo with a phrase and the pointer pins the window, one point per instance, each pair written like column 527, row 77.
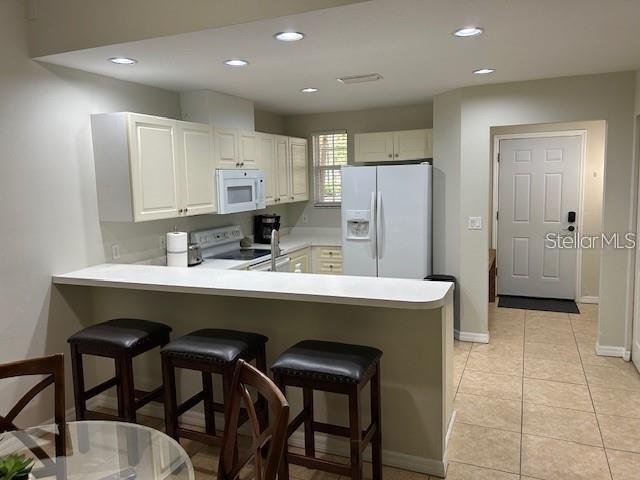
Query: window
column 329, row 155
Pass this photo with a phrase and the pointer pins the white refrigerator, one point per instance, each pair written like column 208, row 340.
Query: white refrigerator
column 386, row 221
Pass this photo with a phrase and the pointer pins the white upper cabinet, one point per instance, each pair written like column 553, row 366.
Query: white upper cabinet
column 153, row 144
column 393, row 146
column 150, row 168
column 299, row 165
column 283, row 184
column 198, row 173
column 267, row 162
column 374, row 147
column 226, row 145
column 249, row 146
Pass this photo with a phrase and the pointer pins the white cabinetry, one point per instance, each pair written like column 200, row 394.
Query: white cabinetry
column 249, row 146
column 327, row 260
column 393, row 146
column 299, row 165
column 226, row 142
column 150, row 168
column 198, row 179
column 283, row 188
column 302, row 258
column 268, row 162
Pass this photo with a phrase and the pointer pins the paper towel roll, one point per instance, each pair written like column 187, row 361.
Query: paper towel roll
column 177, row 242
column 177, row 255
column 177, row 259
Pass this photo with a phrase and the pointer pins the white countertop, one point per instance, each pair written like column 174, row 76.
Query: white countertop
column 297, row 239
column 343, row 289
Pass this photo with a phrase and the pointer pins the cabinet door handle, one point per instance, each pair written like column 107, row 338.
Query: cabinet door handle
column 292, row 197
column 186, row 210
column 180, row 211
column 242, row 164
column 396, row 154
column 390, row 155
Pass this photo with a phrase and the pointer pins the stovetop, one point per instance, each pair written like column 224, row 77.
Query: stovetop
column 240, row 254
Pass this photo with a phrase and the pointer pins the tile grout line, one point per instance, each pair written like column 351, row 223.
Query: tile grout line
column 593, row 406
column 524, row 337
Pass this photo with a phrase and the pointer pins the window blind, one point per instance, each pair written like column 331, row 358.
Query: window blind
column 329, row 155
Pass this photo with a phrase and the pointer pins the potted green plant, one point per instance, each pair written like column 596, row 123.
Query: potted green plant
column 15, row 467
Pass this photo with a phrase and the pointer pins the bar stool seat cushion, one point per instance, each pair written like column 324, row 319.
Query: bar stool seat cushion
column 328, row 361
column 215, row 345
column 123, row 333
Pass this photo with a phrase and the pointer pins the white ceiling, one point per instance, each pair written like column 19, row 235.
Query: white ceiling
column 409, row 42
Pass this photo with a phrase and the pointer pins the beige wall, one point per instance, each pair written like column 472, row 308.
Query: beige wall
column 65, row 25
column 359, row 121
column 592, row 190
column 268, row 122
column 412, row 398
column 608, row 97
column 47, row 185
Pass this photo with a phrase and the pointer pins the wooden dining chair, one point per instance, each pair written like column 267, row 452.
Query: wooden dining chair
column 272, row 438
column 52, row 367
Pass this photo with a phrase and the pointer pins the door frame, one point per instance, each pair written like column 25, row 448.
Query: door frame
column 581, row 169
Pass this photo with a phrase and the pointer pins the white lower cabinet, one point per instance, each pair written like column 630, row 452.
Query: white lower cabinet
column 150, row 168
column 302, row 258
column 327, row 260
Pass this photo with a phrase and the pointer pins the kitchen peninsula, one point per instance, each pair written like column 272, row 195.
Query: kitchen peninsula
column 411, row 321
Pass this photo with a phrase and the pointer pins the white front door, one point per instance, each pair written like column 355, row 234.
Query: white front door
column 538, row 188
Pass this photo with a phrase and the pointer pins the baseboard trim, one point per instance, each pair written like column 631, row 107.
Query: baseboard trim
column 588, row 299
column 609, row 351
column 324, row 443
column 471, row 337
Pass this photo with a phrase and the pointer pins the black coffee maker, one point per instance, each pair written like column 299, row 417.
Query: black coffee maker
column 263, row 225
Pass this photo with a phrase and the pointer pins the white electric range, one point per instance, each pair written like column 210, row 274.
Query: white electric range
column 221, row 248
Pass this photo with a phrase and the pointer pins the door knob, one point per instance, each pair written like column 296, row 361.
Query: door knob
column 571, row 228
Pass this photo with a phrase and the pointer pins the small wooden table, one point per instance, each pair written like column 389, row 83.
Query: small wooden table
column 492, row 275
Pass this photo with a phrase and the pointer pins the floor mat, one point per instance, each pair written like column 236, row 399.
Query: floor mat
column 533, row 303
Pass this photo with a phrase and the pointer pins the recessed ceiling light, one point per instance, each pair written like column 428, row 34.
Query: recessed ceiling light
column 310, row 90
column 484, row 71
column 468, row 32
column 289, row 36
column 123, row 60
column 236, row 62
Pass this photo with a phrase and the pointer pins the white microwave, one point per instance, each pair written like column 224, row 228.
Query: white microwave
column 240, row 190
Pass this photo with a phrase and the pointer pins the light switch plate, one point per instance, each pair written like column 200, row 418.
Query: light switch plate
column 475, row 223
column 115, row 251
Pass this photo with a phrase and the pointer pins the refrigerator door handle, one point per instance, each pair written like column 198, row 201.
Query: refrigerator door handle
column 372, row 240
column 379, row 224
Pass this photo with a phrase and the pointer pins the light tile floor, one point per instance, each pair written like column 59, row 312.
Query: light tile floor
column 538, row 403
column 535, row 403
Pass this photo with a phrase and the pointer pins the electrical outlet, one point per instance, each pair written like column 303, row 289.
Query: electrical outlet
column 115, row 251
column 475, row 223
column 162, row 241
column 305, row 218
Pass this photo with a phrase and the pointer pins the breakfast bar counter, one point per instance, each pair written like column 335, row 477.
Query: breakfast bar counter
column 411, row 321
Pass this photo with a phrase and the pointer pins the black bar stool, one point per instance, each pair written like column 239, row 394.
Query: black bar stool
column 121, row 339
column 208, row 351
column 338, row 368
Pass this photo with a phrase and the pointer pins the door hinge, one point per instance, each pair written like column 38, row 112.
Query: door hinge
column 498, row 157
column 497, row 215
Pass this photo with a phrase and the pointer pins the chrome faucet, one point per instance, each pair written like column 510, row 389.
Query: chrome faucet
column 275, row 248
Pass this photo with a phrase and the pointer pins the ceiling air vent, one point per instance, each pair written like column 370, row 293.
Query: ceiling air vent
column 369, row 77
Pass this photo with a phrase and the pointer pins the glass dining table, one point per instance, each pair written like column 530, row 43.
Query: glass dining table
column 99, row 450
